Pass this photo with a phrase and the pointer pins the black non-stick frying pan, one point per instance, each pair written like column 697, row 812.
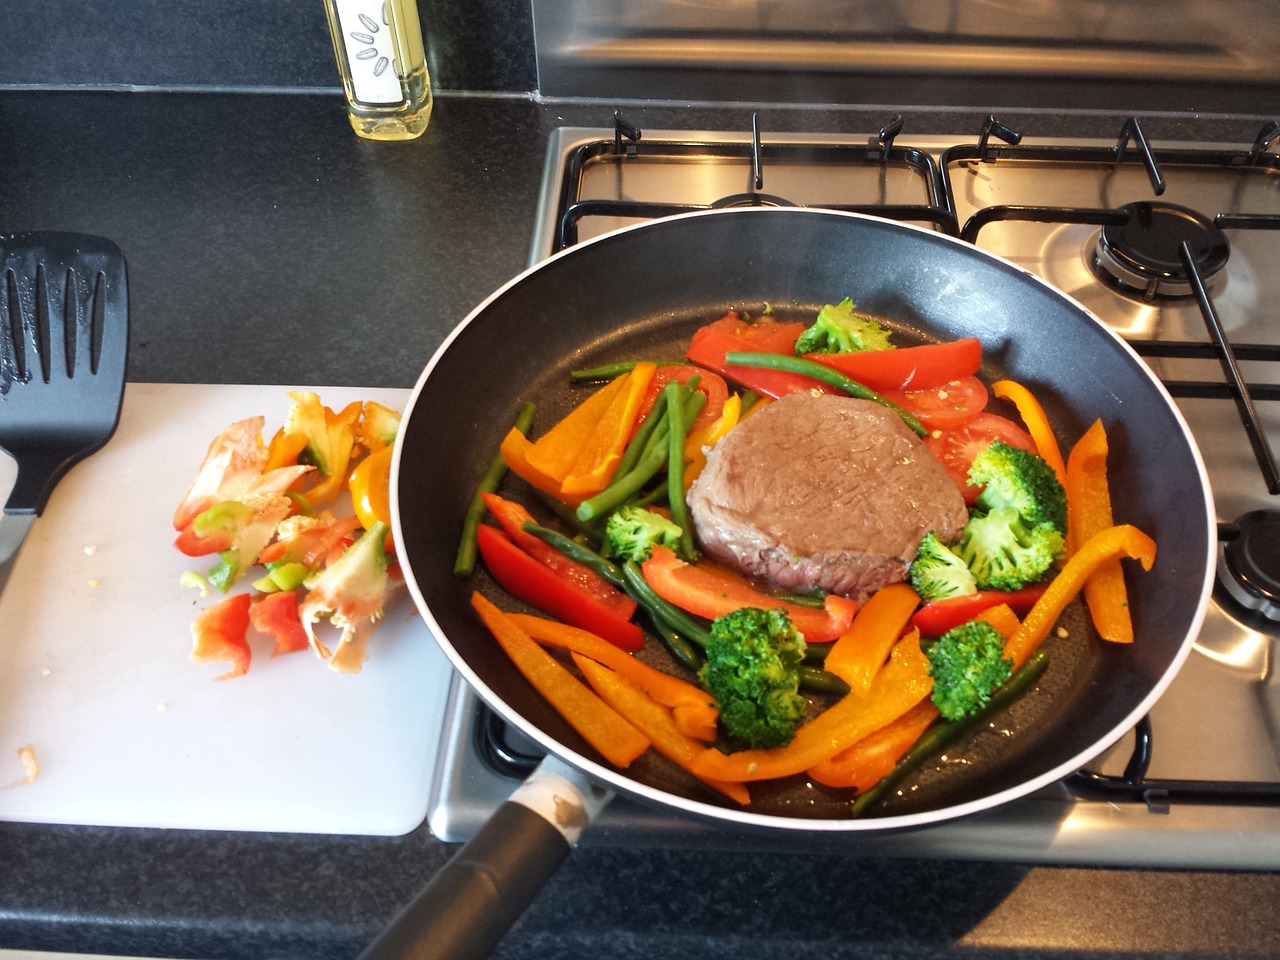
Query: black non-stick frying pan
column 639, row 293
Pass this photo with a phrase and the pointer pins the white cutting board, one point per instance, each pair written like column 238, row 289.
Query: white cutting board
column 95, row 676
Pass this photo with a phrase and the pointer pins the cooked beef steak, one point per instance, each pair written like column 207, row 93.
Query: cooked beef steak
column 822, row 492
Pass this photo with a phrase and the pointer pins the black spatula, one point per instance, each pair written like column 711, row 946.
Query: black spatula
column 64, row 337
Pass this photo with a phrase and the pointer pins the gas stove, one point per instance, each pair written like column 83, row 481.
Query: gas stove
column 1176, row 246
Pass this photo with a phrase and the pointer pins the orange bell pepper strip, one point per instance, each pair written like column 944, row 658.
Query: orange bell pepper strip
column 903, row 683
column 1109, row 544
column 581, row 450
column 616, row 738
column 654, row 721
column 710, row 591
column 1088, row 511
column 1037, row 423
column 668, row 690
column 598, row 458
column 1002, row 617
column 515, row 449
column 708, row 436
column 859, row 653
column 871, row 759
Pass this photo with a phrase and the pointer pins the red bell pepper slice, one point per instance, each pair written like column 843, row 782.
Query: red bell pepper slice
column 926, row 365
column 525, row 578
column 710, row 343
column 711, row 384
column 513, row 516
column 220, row 633
column 710, row 591
column 275, row 615
column 936, row 618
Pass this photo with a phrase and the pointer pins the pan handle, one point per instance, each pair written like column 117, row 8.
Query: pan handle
column 468, row 906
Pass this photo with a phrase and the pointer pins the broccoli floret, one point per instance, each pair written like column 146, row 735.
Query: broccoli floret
column 631, row 532
column 967, row 663
column 938, row 572
column 1012, row 477
column 1005, row 553
column 752, row 664
column 839, row 330
column 1016, row 531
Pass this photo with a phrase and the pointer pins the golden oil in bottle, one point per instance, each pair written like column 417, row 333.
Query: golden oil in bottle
column 378, row 46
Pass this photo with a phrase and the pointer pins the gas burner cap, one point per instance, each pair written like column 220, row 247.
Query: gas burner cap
column 1142, row 254
column 1250, row 564
column 751, row 200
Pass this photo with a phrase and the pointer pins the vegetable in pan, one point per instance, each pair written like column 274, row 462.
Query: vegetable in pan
column 839, row 330
column 908, row 668
column 753, row 657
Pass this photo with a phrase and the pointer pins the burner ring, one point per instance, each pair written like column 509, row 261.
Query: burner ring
column 1143, row 253
column 751, row 200
column 1250, row 567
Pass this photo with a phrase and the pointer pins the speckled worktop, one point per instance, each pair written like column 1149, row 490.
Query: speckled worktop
column 266, row 244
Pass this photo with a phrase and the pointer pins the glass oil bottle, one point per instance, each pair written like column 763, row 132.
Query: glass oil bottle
column 378, row 46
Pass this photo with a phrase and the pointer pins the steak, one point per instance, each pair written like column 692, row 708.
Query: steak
column 825, row 492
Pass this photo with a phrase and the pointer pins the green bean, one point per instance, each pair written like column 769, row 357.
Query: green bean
column 578, row 552
column 672, row 615
column 820, row 681
column 639, row 443
column 676, row 433
column 811, row 368
column 608, row 371
column 622, row 490
column 464, row 562
column 564, row 512
column 945, row 732
column 677, row 643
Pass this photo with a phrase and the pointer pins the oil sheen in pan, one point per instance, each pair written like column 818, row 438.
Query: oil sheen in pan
column 965, row 771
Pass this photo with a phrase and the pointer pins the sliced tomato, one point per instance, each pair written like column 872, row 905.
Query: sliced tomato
column 944, row 407
column 709, row 345
column 926, row 365
column 956, row 448
column 711, row 384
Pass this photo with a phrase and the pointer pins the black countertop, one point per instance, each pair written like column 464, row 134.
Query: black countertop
column 266, row 244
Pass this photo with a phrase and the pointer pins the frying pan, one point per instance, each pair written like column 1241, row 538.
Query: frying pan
column 638, row 293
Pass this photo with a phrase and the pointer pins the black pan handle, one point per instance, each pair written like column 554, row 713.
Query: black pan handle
column 468, row 906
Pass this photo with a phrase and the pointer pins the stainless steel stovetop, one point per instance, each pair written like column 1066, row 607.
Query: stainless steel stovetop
column 1219, row 722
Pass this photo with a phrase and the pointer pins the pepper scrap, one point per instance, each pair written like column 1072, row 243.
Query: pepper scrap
column 275, row 615
column 352, row 592
column 330, row 440
column 219, row 635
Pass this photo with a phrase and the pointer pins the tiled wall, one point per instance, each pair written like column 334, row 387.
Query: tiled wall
column 484, row 45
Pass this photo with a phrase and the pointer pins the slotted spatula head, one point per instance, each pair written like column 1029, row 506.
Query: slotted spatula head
column 64, row 337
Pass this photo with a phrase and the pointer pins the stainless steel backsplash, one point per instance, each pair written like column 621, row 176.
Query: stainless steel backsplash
column 861, row 50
